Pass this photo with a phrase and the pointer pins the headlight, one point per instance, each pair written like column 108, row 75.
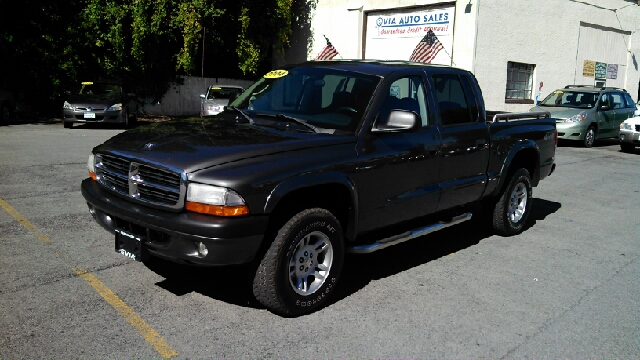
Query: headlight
column 577, row 118
column 215, row 200
column 625, row 126
column 91, row 166
column 67, row 106
column 115, row 107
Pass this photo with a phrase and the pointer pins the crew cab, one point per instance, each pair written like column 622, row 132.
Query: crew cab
column 315, row 160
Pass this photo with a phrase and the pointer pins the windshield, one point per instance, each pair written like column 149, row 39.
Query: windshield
column 325, row 98
column 99, row 89
column 571, row 99
column 223, row 92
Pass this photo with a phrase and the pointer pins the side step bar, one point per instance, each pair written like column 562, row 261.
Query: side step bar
column 397, row 239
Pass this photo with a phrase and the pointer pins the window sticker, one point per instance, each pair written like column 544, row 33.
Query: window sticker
column 87, row 83
column 275, row 74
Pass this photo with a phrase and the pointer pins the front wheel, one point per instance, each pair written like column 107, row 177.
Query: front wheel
column 589, row 137
column 301, row 268
column 511, row 211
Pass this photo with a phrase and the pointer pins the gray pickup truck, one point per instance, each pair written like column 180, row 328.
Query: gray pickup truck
column 315, row 160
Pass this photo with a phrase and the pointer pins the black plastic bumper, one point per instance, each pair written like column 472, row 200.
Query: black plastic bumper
column 175, row 236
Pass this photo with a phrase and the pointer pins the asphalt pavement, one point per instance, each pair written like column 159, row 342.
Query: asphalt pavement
column 567, row 287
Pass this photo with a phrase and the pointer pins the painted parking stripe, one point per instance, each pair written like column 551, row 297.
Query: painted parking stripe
column 148, row 333
column 132, row 318
column 24, row 222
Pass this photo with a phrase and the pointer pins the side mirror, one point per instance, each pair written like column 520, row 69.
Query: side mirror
column 398, row 121
column 203, row 96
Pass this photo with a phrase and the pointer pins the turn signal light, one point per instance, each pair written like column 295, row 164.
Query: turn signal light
column 217, row 210
column 92, row 175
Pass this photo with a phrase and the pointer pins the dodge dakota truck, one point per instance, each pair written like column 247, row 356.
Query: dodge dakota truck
column 315, row 160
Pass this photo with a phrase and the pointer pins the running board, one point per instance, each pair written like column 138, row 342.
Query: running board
column 397, row 239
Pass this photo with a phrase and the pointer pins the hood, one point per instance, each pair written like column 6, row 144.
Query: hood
column 633, row 121
column 196, row 143
column 217, row 101
column 559, row 112
column 92, row 100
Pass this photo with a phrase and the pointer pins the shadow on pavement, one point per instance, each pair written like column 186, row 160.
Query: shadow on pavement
column 232, row 284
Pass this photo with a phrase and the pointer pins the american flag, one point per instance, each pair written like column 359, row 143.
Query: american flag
column 427, row 48
column 328, row 53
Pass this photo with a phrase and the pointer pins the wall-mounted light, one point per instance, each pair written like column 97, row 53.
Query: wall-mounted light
column 467, row 9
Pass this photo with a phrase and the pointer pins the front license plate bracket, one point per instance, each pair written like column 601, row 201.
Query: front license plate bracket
column 130, row 245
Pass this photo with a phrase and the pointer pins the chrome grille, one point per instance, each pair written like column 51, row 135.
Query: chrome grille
column 145, row 183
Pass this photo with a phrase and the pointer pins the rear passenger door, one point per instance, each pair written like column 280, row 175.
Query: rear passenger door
column 465, row 140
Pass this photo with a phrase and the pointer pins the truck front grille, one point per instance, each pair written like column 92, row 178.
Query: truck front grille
column 142, row 182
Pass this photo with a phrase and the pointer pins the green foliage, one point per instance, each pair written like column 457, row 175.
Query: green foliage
column 55, row 44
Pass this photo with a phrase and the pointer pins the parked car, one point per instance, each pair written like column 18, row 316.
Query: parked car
column 7, row 105
column 587, row 113
column 630, row 134
column 217, row 97
column 637, row 113
column 100, row 102
column 315, row 160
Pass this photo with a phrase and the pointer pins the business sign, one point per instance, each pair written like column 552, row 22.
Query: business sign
column 601, row 70
column 589, row 68
column 394, row 34
column 414, row 24
column 612, row 71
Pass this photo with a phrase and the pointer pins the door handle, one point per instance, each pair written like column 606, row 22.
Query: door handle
column 481, row 144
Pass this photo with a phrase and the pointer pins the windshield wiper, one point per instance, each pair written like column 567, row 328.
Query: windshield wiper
column 244, row 114
column 291, row 118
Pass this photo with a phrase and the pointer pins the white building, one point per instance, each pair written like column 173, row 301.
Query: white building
column 516, row 48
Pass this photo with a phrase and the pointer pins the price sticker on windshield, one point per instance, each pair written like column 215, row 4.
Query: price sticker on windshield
column 87, row 83
column 557, row 92
column 275, row 74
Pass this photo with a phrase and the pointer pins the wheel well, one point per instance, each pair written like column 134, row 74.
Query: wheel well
column 332, row 197
column 527, row 159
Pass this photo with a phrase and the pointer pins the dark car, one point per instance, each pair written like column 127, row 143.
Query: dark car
column 7, row 105
column 99, row 102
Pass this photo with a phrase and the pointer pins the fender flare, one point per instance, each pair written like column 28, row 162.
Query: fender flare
column 308, row 180
column 506, row 165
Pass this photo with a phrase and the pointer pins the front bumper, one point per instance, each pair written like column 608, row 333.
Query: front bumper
column 98, row 116
column 571, row 130
column 175, row 236
column 629, row 136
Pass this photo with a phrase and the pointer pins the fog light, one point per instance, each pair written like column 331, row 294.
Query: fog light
column 202, row 249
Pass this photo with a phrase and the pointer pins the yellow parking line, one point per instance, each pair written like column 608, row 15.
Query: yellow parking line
column 24, row 222
column 147, row 332
column 132, row 318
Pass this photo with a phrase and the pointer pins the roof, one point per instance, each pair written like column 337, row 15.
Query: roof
column 591, row 88
column 373, row 67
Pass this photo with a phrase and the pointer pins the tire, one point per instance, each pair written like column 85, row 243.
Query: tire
column 628, row 148
column 5, row 113
column 67, row 124
column 301, row 268
column 589, row 137
column 511, row 211
column 127, row 122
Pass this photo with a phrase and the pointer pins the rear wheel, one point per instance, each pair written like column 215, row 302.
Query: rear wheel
column 589, row 137
column 67, row 124
column 511, row 211
column 5, row 113
column 301, row 268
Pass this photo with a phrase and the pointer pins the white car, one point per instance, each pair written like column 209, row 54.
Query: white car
column 217, row 97
column 630, row 134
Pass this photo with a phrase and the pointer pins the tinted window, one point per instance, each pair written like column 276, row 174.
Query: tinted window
column 628, row 100
column 452, row 103
column 618, row 100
